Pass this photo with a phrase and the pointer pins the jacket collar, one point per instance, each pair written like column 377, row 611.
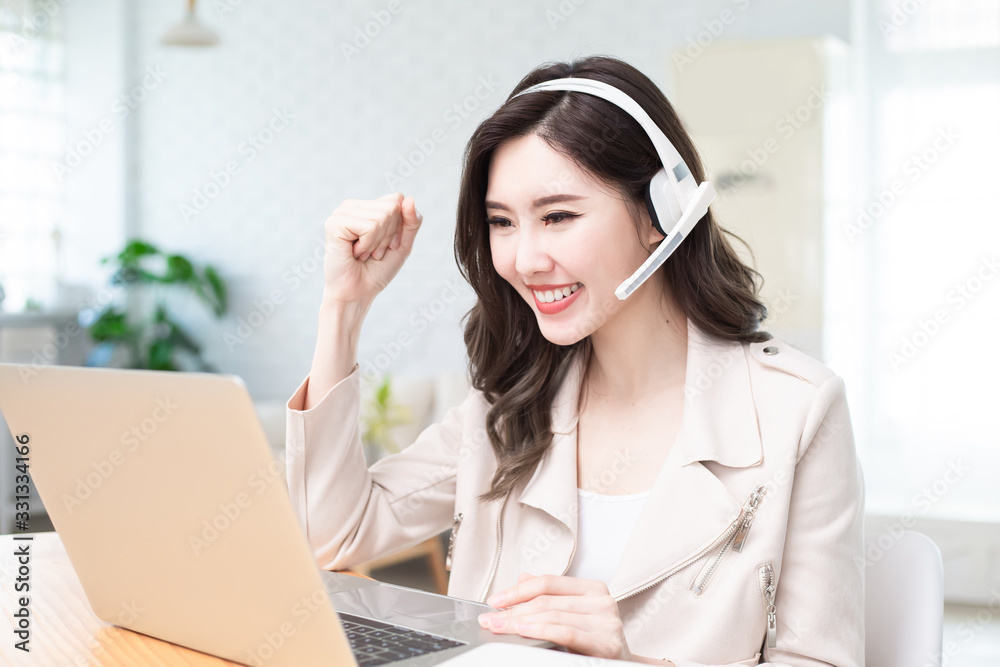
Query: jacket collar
column 688, row 506
column 720, row 416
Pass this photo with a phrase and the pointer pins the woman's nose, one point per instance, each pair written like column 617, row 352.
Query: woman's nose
column 532, row 254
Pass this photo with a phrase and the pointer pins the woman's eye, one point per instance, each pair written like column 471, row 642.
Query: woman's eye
column 501, row 222
column 558, row 216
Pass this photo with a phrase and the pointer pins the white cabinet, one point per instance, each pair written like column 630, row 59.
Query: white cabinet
column 770, row 120
column 35, row 340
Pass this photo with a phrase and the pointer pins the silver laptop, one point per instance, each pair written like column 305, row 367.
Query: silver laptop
column 170, row 504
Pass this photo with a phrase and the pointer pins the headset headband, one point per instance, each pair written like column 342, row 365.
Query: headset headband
column 677, row 170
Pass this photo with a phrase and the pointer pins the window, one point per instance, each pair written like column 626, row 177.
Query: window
column 32, row 139
column 915, row 25
column 928, row 308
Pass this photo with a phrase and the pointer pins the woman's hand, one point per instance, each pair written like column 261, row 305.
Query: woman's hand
column 367, row 242
column 580, row 614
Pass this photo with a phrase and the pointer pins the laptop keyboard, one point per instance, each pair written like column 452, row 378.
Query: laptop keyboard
column 375, row 643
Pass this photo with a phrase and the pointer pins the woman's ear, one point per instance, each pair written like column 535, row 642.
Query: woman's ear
column 652, row 235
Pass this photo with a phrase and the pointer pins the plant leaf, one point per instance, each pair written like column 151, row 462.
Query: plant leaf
column 218, row 290
column 161, row 355
column 382, row 394
column 180, row 338
column 155, row 342
column 179, row 270
column 134, row 250
column 111, row 326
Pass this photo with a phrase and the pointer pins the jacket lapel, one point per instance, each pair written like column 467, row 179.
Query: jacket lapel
column 688, row 506
column 552, row 487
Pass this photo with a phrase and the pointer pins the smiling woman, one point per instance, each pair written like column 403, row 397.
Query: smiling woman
column 561, row 178
column 633, row 442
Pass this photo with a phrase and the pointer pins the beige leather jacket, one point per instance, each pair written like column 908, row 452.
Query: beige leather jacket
column 745, row 549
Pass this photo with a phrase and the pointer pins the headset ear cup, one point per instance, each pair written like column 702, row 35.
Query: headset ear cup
column 651, row 209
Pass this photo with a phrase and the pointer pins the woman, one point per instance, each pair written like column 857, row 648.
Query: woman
column 653, row 479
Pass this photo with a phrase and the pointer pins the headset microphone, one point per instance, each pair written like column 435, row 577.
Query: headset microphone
column 673, row 198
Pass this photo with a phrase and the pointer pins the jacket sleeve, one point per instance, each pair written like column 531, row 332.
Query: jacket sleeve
column 352, row 514
column 819, row 599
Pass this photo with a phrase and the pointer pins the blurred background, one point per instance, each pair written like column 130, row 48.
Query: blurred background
column 854, row 145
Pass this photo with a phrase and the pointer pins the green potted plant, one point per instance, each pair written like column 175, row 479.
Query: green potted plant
column 380, row 416
column 154, row 341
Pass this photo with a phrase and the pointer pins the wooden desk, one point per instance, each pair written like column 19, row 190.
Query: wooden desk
column 64, row 630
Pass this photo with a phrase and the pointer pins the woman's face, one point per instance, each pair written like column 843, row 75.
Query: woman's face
column 563, row 239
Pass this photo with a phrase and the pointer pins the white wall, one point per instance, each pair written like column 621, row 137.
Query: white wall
column 353, row 119
column 93, row 224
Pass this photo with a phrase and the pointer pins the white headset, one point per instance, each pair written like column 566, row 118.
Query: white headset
column 673, row 198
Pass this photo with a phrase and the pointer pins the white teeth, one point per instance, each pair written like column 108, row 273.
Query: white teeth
column 549, row 296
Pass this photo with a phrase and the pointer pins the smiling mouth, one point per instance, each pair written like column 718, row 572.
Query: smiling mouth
column 556, row 299
column 557, row 294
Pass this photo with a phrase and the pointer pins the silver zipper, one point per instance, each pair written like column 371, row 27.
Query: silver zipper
column 735, row 542
column 456, row 522
column 496, row 558
column 767, row 591
column 732, row 529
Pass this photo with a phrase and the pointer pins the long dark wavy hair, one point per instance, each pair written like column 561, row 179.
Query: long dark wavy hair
column 516, row 368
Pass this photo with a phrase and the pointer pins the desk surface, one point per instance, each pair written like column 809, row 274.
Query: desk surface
column 64, row 630
column 66, row 633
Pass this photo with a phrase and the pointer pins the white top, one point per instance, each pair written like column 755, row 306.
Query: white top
column 603, row 527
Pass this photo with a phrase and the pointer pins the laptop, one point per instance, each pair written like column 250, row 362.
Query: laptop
column 170, row 504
